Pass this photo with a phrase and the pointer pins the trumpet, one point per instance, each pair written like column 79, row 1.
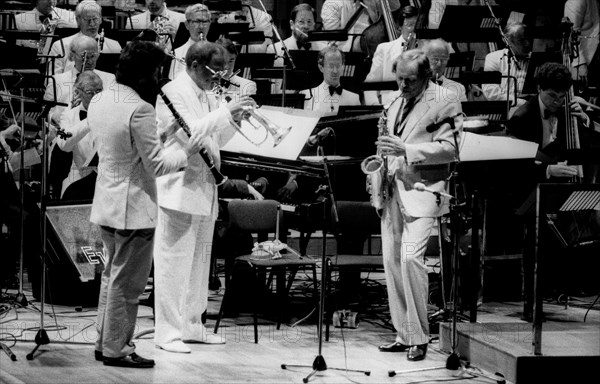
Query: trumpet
column 257, row 120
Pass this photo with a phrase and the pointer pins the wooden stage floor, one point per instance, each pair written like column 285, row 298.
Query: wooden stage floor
column 69, row 356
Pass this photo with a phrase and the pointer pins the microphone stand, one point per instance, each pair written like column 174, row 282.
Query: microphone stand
column 319, row 363
column 286, row 56
column 511, row 57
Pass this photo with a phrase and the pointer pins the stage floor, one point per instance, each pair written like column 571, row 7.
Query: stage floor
column 69, row 356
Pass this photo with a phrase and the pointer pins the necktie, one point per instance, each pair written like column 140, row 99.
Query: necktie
column 82, row 115
column 402, row 115
column 337, row 90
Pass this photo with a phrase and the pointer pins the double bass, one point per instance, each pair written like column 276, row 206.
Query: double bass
column 383, row 28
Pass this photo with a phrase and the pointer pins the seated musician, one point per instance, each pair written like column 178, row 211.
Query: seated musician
column 302, row 21
column 197, row 22
column 520, row 40
column 540, row 120
column 585, row 16
column 45, row 10
column 329, row 95
column 438, row 53
column 157, row 14
column 239, row 86
column 259, row 21
column 81, row 181
column 387, row 53
column 88, row 15
column 80, row 46
column 336, row 14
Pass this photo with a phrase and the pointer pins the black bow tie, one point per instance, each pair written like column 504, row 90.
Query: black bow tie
column 337, row 90
column 306, row 46
column 82, row 115
column 44, row 17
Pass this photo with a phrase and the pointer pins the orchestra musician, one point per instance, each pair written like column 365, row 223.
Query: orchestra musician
column 585, row 16
column 123, row 124
column 187, row 200
column 45, row 9
column 259, row 21
column 88, row 15
column 197, row 22
column 520, row 40
column 239, row 86
column 438, row 53
column 415, row 153
column 81, row 181
column 336, row 14
column 386, row 54
column 542, row 120
column 327, row 97
column 157, row 13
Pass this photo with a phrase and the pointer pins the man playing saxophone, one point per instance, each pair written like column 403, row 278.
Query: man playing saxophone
column 188, row 200
column 419, row 147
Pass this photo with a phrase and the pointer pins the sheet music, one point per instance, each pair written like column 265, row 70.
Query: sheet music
column 302, row 123
column 474, row 147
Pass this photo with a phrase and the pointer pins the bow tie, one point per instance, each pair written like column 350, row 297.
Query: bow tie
column 82, row 115
column 337, row 90
column 306, row 46
column 45, row 17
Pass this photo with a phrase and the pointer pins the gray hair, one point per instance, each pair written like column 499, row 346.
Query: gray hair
column 329, row 49
column 194, row 8
column 88, row 77
column 418, row 57
column 430, row 44
column 87, row 5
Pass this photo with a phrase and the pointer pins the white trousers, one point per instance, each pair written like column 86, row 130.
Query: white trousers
column 404, row 242
column 182, row 252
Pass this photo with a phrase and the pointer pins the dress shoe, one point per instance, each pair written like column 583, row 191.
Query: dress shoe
column 208, row 338
column 417, row 352
column 98, row 356
column 393, row 347
column 129, row 361
column 176, row 346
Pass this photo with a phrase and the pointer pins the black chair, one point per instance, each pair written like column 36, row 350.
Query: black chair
column 260, row 216
column 358, row 221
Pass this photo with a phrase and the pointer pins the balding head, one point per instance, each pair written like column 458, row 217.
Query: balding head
column 438, row 53
column 80, row 46
column 519, row 38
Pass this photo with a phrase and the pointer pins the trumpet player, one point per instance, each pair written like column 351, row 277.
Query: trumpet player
column 197, row 22
column 88, row 15
column 157, row 14
column 418, row 147
column 44, row 10
column 187, row 201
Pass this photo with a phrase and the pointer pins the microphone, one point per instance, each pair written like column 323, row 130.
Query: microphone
column 7, row 350
column 319, row 137
column 450, row 120
column 422, row 188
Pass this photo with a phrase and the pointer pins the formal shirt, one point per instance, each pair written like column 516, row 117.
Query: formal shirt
column 381, row 69
column 193, row 190
column 176, row 66
column 63, row 64
column 65, row 82
column 336, row 14
column 32, row 20
column 498, row 61
column 80, row 143
column 585, row 16
column 320, row 99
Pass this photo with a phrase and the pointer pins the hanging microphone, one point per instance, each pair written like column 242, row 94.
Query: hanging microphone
column 319, row 137
column 450, row 120
column 422, row 188
column 7, row 350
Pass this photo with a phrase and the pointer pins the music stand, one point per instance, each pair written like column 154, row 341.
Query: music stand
column 107, row 62
column 123, row 36
column 470, row 24
column 218, row 29
column 291, row 101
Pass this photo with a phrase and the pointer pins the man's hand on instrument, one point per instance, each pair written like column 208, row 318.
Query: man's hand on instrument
column 194, row 143
column 391, row 146
column 255, row 193
column 562, row 170
column 576, row 110
column 238, row 108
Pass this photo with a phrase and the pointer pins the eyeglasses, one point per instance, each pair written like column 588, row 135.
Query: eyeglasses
column 438, row 59
column 87, row 55
column 199, row 21
column 92, row 20
column 90, row 92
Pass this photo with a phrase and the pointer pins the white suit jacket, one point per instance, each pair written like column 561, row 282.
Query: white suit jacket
column 193, row 190
column 585, row 16
column 63, row 64
column 335, row 15
column 454, row 89
column 427, row 154
column 80, row 143
column 319, row 100
column 246, row 88
column 30, row 20
column 64, row 88
column 498, row 61
column 381, row 70
column 131, row 156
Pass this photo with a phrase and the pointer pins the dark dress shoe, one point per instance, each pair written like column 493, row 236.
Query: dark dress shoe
column 99, row 356
column 393, row 347
column 130, row 361
column 417, row 352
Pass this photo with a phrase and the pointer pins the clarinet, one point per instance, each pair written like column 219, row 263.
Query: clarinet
column 219, row 177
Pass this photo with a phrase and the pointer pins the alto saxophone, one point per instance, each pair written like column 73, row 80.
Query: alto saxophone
column 379, row 182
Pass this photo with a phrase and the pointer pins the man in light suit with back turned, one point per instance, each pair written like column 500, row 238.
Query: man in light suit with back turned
column 419, row 147
column 187, row 201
